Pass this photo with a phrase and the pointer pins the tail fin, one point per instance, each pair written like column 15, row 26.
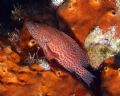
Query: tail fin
column 85, row 75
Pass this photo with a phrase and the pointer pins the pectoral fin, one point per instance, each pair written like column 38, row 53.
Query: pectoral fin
column 49, row 54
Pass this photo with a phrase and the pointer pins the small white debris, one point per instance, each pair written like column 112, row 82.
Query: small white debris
column 57, row 2
column 43, row 63
column 35, row 59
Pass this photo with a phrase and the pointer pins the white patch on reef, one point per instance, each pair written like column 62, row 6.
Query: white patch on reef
column 107, row 38
column 57, row 2
column 118, row 3
column 102, row 45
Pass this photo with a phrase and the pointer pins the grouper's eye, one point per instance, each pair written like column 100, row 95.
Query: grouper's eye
column 32, row 43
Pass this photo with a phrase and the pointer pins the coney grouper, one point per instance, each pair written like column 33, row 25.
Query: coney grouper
column 61, row 47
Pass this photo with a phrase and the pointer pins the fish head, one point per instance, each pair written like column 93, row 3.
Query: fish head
column 39, row 32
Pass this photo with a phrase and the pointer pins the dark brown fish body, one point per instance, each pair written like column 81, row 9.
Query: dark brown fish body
column 59, row 46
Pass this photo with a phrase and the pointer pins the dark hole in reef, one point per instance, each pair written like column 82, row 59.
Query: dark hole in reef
column 113, row 12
